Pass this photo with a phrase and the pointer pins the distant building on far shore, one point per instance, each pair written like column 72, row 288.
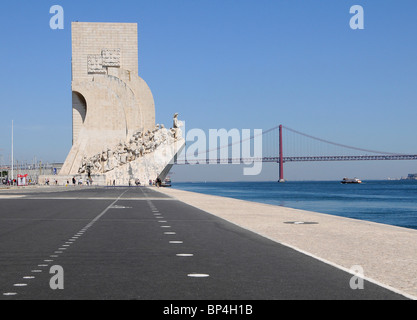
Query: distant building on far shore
column 32, row 170
column 411, row 176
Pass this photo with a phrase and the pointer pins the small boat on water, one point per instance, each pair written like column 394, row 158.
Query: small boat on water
column 347, row 180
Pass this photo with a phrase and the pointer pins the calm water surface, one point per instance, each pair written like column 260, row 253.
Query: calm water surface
column 388, row 202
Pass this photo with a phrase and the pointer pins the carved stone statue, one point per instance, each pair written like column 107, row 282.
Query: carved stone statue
column 176, row 126
column 139, row 144
column 97, row 167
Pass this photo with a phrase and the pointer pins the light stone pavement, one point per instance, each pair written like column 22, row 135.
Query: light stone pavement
column 387, row 254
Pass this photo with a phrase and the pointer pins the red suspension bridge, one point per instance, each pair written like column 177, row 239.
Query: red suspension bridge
column 292, row 146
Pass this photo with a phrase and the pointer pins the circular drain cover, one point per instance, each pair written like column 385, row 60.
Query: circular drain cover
column 300, row 222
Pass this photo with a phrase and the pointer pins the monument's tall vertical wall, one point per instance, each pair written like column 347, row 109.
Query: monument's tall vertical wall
column 91, row 38
column 88, row 41
column 110, row 100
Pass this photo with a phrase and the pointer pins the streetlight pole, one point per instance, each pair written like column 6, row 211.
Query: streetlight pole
column 12, row 154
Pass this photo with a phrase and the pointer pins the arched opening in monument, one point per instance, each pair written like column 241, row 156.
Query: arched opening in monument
column 79, row 112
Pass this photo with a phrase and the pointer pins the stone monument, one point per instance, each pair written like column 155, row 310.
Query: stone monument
column 114, row 135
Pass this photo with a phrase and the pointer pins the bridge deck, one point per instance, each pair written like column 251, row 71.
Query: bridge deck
column 300, row 159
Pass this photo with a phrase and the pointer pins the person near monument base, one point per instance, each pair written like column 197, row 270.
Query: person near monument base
column 158, row 182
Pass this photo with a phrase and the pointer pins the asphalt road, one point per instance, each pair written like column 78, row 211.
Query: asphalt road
column 135, row 243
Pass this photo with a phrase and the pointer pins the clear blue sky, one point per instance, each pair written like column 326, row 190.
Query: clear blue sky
column 229, row 64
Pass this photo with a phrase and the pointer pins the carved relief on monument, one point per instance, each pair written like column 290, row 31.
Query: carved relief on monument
column 139, row 144
column 95, row 64
column 111, row 57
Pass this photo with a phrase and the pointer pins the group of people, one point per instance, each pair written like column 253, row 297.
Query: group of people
column 15, row 182
column 80, row 182
column 89, row 182
column 157, row 182
column 9, row 182
column 47, row 182
column 137, row 182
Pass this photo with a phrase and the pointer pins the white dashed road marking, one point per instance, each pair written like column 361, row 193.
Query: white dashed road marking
column 158, row 215
column 198, row 275
column 66, row 245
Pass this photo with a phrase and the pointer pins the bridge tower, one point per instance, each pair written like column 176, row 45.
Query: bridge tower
column 281, row 157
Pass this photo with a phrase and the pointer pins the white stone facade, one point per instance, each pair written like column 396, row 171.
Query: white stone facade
column 111, row 103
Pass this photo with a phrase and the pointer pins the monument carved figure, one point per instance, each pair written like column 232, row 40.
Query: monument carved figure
column 127, row 152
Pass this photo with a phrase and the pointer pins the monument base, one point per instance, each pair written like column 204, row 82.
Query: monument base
column 148, row 167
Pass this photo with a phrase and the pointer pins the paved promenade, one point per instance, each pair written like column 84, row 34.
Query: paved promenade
column 387, row 254
column 164, row 244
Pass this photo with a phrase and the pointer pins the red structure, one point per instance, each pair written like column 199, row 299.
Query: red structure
column 22, row 179
column 281, row 157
